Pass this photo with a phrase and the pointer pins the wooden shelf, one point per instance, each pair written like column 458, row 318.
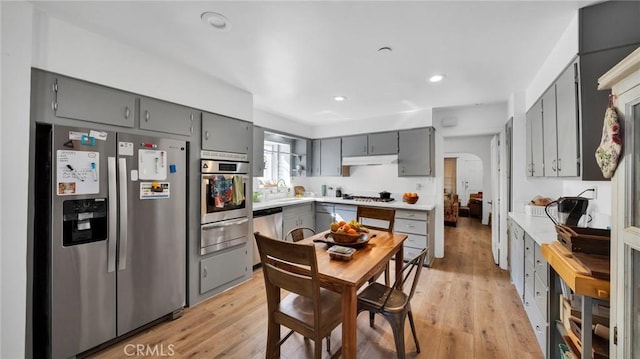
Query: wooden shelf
column 574, row 273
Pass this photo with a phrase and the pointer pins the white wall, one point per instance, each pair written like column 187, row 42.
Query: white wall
column 281, row 124
column 479, row 146
column 398, row 121
column 14, row 155
column 563, row 52
column 31, row 38
column 474, row 120
column 67, row 49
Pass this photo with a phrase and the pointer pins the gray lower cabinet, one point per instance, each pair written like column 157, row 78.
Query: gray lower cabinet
column 296, row 216
column 324, row 216
column 516, row 256
column 354, row 146
column 226, row 134
column 419, row 226
column 167, row 117
column 536, row 293
column 258, row 159
column 80, row 100
column 330, row 157
column 223, row 268
column 416, row 152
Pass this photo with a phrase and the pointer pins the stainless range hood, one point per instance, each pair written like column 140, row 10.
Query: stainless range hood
column 369, row 160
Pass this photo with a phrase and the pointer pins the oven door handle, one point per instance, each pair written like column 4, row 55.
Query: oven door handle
column 232, row 222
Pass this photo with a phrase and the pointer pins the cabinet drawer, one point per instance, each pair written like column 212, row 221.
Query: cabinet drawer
column 410, row 253
column 408, row 214
column 529, row 276
column 297, row 210
column 416, row 241
column 222, row 268
column 542, row 267
column 540, row 294
column 529, row 244
column 410, row 226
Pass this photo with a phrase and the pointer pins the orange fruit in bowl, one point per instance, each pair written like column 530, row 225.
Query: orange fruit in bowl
column 341, row 223
column 352, row 231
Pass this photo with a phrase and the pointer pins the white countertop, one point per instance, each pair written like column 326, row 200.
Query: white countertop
column 397, row 204
column 541, row 229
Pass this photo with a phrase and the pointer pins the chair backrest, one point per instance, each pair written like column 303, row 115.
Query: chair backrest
column 377, row 213
column 411, row 273
column 298, row 234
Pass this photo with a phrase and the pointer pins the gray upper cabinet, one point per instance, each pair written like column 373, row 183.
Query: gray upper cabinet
column 220, row 133
column 354, row 146
column 79, row 100
column 330, row 157
column 300, row 159
column 258, row 152
column 167, row 117
column 416, row 152
column 550, row 150
column 568, row 142
column 385, row 143
column 315, row 158
column 535, row 141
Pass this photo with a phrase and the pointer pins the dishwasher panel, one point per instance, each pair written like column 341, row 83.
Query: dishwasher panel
column 269, row 223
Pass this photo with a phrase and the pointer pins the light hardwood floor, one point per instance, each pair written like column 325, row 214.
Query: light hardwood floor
column 465, row 307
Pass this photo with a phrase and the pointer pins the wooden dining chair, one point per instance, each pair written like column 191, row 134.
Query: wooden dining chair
column 308, row 310
column 381, row 216
column 394, row 303
column 298, row 234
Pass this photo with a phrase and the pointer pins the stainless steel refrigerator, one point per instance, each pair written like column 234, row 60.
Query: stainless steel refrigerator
column 110, row 236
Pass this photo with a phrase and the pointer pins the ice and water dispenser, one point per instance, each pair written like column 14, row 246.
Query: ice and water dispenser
column 84, row 221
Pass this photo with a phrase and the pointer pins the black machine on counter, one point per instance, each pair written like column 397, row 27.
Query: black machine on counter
column 570, row 210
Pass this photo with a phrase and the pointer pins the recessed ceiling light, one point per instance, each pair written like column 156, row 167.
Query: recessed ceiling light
column 216, row 20
column 436, row 78
column 339, row 98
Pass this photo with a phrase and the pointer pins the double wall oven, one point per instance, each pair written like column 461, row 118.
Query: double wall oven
column 224, row 213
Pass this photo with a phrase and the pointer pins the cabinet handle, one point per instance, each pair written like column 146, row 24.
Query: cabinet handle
column 206, row 135
column 526, row 303
column 127, row 112
column 538, row 329
column 204, row 272
column 559, row 163
column 146, row 115
column 526, row 275
column 538, row 262
column 553, row 165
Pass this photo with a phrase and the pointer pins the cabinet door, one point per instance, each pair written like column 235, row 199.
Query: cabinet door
column 323, row 221
column 330, row 157
column 568, row 164
column 345, row 212
column 89, row 102
column 258, row 152
column 415, row 152
column 385, row 143
column 166, row 117
column 537, row 143
column 315, row 158
column 220, row 133
column 550, row 149
column 528, row 144
column 354, row 146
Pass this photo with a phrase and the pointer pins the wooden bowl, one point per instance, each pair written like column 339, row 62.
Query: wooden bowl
column 345, row 237
column 410, row 200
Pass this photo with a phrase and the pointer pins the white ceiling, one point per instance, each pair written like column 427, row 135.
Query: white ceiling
column 295, row 56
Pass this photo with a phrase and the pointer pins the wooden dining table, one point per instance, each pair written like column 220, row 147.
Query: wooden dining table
column 346, row 277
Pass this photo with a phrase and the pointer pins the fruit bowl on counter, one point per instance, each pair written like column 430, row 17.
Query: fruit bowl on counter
column 410, row 197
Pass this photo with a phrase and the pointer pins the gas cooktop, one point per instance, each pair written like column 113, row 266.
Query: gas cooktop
column 367, row 198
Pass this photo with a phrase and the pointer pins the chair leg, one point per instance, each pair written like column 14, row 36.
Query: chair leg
column 317, row 348
column 387, row 275
column 413, row 330
column 273, row 337
column 397, row 325
column 329, row 344
column 372, row 320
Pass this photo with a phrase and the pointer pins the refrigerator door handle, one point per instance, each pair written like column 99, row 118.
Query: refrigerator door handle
column 113, row 213
column 122, row 177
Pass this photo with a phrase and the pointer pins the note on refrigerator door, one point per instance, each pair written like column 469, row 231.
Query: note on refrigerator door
column 152, row 165
column 77, row 172
column 154, row 190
